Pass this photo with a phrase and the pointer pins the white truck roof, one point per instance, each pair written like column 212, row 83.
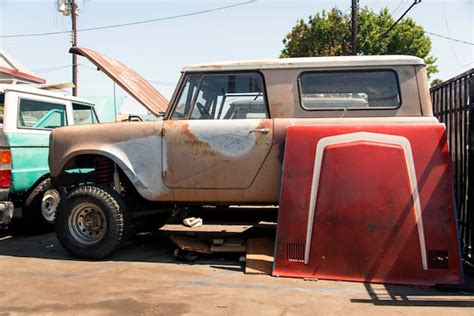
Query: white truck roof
column 35, row 90
column 308, row 62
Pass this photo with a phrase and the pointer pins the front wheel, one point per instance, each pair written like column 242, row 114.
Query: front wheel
column 91, row 222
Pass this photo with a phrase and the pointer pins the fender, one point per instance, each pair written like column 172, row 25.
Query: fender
column 134, row 146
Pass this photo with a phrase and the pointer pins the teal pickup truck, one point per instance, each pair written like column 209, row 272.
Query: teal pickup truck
column 28, row 114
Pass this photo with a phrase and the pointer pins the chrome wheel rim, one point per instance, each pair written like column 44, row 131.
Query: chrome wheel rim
column 49, row 204
column 87, row 223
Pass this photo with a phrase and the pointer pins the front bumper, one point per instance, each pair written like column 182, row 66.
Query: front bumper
column 6, row 212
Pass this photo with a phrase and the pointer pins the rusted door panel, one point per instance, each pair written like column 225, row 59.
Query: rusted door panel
column 215, row 154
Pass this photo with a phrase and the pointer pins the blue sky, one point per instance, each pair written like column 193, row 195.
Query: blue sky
column 159, row 50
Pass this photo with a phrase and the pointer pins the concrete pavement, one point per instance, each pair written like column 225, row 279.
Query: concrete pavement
column 39, row 277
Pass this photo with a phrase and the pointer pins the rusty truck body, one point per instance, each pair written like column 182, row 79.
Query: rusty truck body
column 221, row 138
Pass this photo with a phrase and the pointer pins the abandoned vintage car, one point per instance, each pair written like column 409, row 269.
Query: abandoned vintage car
column 221, row 140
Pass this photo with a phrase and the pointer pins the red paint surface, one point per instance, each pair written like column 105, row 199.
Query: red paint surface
column 365, row 224
column 22, row 75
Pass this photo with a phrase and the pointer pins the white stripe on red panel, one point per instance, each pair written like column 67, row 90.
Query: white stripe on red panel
column 372, row 137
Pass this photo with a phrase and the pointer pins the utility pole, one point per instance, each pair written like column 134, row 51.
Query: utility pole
column 355, row 4
column 74, row 44
column 69, row 7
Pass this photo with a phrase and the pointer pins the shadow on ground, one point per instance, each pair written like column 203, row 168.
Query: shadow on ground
column 397, row 295
column 19, row 240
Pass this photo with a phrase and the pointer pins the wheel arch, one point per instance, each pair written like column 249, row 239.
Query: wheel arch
column 85, row 159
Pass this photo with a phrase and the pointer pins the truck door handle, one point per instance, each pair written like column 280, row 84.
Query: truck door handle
column 260, row 130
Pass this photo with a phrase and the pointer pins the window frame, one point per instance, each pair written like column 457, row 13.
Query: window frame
column 300, row 91
column 18, row 126
column 2, row 103
column 213, row 73
column 88, row 105
column 176, row 99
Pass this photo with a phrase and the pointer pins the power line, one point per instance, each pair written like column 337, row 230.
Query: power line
column 134, row 23
column 399, row 6
column 89, row 67
column 164, row 83
column 449, row 38
column 447, row 30
column 158, row 82
column 430, row 33
column 400, row 18
column 62, row 67
column 52, row 68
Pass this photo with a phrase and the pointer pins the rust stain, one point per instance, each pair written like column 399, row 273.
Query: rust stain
column 187, row 138
column 277, row 109
column 195, row 163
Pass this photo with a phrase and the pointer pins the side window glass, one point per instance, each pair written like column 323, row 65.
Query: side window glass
column 83, row 114
column 181, row 111
column 352, row 89
column 230, row 96
column 41, row 115
column 2, row 101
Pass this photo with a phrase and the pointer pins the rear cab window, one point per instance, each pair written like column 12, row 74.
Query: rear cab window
column 222, row 97
column 34, row 114
column 349, row 90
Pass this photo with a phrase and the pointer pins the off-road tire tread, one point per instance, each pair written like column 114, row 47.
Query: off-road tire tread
column 118, row 222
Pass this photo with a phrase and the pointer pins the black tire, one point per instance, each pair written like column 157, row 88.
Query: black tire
column 32, row 207
column 108, row 218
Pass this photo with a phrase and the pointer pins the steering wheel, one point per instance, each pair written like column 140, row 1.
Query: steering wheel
column 134, row 118
column 202, row 110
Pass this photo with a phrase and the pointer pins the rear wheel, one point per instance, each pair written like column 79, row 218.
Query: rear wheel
column 39, row 209
column 49, row 204
column 91, row 222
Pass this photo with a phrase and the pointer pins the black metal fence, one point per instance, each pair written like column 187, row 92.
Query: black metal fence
column 453, row 105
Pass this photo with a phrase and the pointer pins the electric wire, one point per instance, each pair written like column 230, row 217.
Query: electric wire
column 158, row 82
column 400, row 5
column 450, row 43
column 415, row 2
column 448, row 38
column 133, row 23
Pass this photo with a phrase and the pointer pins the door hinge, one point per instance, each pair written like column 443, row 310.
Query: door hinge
column 163, row 131
column 163, row 174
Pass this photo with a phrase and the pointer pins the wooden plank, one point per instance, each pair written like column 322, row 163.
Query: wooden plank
column 228, row 248
column 260, row 255
column 234, row 241
column 190, row 244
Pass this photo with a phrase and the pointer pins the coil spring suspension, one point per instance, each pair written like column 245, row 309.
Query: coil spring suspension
column 104, row 171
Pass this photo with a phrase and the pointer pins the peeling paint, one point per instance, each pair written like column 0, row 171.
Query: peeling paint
column 142, row 161
column 236, row 141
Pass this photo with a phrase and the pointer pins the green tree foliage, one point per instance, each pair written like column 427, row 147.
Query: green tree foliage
column 329, row 34
column 436, row 82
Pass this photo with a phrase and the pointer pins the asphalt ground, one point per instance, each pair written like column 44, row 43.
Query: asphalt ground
column 38, row 277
